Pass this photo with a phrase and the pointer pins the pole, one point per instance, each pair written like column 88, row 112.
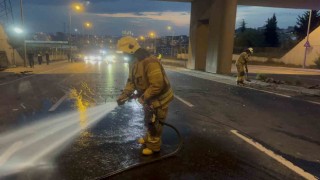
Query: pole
column 172, row 44
column 25, row 52
column 24, row 35
column 306, row 48
column 155, row 46
column 69, row 35
column 21, row 13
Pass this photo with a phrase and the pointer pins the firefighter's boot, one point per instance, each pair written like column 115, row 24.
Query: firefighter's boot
column 141, row 141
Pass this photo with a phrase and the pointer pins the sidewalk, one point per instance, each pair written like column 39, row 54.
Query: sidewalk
column 11, row 74
column 253, row 84
column 296, row 80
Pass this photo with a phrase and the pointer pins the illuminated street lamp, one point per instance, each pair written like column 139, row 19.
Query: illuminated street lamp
column 17, row 30
column 74, row 7
column 88, row 25
column 170, row 29
column 153, row 35
column 142, row 41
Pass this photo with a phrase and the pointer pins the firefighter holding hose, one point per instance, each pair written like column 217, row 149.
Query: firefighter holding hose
column 148, row 78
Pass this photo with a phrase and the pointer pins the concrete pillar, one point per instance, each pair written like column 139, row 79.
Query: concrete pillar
column 221, row 36
column 212, row 27
column 200, row 11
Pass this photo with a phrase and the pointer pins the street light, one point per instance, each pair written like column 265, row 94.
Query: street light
column 88, row 25
column 153, row 35
column 17, row 30
column 74, row 7
column 142, row 41
column 170, row 29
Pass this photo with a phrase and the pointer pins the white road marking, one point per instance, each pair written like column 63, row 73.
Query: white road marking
column 283, row 95
column 313, row 102
column 57, row 104
column 10, row 151
column 184, row 101
column 22, row 105
column 277, row 157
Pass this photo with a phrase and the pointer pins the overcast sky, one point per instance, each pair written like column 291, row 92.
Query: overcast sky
column 140, row 16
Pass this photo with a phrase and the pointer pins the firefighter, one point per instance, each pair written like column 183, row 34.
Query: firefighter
column 30, row 59
column 47, row 58
column 148, row 78
column 39, row 58
column 159, row 56
column 242, row 66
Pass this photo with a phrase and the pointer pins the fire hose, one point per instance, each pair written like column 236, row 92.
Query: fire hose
column 179, row 146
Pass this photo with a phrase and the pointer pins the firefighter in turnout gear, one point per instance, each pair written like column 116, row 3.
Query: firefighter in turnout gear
column 242, row 66
column 148, row 78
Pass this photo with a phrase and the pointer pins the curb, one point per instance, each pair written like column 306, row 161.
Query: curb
column 254, row 83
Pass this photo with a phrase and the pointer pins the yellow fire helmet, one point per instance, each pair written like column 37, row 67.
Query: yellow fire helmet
column 250, row 49
column 128, row 44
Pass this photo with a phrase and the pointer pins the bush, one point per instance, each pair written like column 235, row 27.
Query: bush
column 317, row 62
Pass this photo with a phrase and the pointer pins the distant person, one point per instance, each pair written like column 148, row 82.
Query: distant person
column 242, row 66
column 69, row 57
column 159, row 56
column 47, row 58
column 30, row 59
column 39, row 58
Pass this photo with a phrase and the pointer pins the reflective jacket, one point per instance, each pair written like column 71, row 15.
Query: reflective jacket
column 148, row 77
column 243, row 59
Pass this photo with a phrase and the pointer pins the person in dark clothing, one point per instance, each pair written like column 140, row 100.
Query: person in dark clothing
column 39, row 58
column 69, row 57
column 31, row 60
column 47, row 58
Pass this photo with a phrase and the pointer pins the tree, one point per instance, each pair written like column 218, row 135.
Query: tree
column 270, row 33
column 243, row 26
column 301, row 27
column 249, row 38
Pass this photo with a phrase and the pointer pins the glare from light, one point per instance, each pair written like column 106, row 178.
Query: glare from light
column 78, row 7
column 18, row 30
column 88, row 24
column 126, row 58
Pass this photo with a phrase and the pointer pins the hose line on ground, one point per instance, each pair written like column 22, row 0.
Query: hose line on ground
column 151, row 161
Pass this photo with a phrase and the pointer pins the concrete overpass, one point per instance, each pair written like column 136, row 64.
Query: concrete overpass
column 212, row 28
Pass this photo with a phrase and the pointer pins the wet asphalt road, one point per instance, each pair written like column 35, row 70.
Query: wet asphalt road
column 87, row 136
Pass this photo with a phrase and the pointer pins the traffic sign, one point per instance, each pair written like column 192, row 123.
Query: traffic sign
column 307, row 44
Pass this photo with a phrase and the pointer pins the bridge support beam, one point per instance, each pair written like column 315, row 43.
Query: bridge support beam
column 212, row 30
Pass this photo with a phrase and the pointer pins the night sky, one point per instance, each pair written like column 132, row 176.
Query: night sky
column 110, row 17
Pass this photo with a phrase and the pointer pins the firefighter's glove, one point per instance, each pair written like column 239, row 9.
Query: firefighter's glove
column 122, row 99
